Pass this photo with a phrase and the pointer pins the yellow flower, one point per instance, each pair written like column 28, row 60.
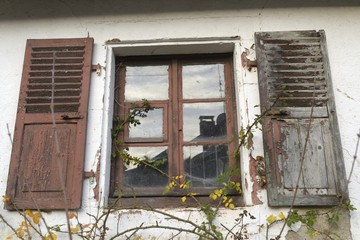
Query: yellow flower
column 6, row 199
column 281, row 216
column 36, row 218
column 183, row 199
column 71, row 215
column 270, row 219
column 74, row 229
column 213, row 196
column 20, row 233
column 218, row 192
column 51, row 236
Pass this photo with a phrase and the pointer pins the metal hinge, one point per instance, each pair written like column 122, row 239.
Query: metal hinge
column 96, row 68
column 90, row 174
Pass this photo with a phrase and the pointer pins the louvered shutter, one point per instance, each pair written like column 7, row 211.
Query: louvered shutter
column 295, row 89
column 57, row 69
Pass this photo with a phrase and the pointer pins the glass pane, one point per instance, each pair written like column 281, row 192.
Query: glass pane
column 204, row 121
column 203, row 81
column 150, row 126
column 146, row 82
column 203, row 164
column 144, row 176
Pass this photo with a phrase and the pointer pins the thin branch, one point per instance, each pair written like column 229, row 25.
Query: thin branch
column 229, row 231
column 8, row 132
column 302, row 160
column 128, row 237
column 161, row 227
column 27, row 220
column 27, row 227
column 354, row 158
column 41, row 215
column 9, row 225
column 180, row 220
column 57, row 154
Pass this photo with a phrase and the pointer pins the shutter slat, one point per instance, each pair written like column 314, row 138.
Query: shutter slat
column 68, row 99
column 57, row 79
column 57, row 85
column 36, row 55
column 57, row 73
column 294, row 81
column 57, row 60
column 60, row 61
column 70, row 66
column 275, row 53
column 45, row 108
column 59, row 92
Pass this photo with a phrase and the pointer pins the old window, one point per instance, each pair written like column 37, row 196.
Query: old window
column 191, row 126
column 54, row 89
column 295, row 89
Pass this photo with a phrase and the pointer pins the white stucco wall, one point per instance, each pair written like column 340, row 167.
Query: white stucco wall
column 341, row 26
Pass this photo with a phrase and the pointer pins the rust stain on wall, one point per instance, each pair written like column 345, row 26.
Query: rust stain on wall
column 97, row 175
column 255, row 186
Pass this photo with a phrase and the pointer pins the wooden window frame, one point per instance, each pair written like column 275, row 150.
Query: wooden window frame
column 173, row 123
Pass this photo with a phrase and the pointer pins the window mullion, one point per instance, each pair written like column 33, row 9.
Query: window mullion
column 174, row 120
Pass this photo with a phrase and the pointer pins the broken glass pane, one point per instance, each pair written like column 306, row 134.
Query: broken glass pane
column 203, row 81
column 204, row 121
column 146, row 82
column 203, row 164
column 141, row 175
column 150, row 126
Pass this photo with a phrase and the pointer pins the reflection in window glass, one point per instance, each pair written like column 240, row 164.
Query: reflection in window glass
column 203, row 81
column 150, row 126
column 146, row 82
column 144, row 176
column 203, row 164
column 204, row 121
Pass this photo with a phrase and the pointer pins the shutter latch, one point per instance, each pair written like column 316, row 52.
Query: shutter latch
column 278, row 113
column 69, row 117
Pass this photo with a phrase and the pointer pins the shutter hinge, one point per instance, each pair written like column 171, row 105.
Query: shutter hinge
column 89, row 174
column 246, row 62
column 96, row 68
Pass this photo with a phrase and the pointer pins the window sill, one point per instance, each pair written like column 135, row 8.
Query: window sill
column 167, row 202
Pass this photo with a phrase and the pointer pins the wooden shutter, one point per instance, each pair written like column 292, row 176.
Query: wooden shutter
column 60, row 67
column 294, row 80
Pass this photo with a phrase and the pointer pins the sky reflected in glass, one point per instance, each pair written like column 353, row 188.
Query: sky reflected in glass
column 150, row 126
column 203, row 81
column 146, row 82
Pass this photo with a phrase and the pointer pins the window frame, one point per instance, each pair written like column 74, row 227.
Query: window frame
column 174, row 110
column 160, row 47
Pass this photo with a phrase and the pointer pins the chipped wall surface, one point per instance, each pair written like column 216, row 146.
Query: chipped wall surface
column 167, row 30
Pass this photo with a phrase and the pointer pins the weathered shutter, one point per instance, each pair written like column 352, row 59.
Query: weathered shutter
column 60, row 68
column 295, row 89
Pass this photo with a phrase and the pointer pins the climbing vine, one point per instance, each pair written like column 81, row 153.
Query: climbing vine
column 33, row 223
